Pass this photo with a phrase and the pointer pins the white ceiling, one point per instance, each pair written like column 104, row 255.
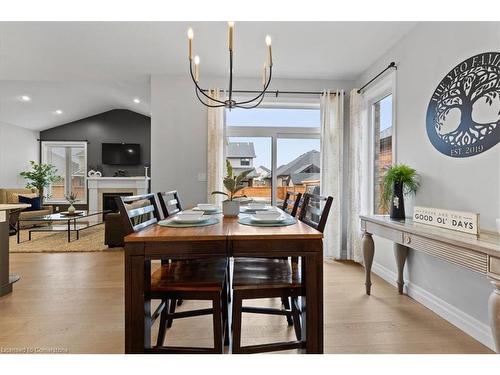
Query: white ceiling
column 85, row 68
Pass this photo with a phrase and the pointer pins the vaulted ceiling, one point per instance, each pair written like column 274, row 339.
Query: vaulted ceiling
column 85, row 68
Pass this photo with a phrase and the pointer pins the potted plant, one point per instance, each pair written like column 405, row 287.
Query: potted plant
column 40, row 176
column 233, row 184
column 399, row 180
column 71, row 198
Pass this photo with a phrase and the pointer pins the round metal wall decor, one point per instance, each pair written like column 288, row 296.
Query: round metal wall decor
column 463, row 116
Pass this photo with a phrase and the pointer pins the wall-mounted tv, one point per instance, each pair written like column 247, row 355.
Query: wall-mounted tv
column 121, row 153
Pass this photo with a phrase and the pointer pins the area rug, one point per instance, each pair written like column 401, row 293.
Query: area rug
column 91, row 240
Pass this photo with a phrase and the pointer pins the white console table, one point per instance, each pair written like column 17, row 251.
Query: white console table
column 480, row 254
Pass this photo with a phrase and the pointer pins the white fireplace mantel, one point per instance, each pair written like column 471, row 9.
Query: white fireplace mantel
column 99, row 185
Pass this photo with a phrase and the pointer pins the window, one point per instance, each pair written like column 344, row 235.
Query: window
column 280, row 145
column 70, row 160
column 382, row 156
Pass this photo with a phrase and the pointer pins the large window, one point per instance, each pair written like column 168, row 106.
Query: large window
column 70, row 160
column 282, row 147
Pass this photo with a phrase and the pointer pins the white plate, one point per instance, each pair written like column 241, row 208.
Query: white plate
column 261, row 208
column 268, row 217
column 190, row 217
column 206, row 207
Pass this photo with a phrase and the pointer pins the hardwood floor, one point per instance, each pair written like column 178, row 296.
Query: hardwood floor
column 74, row 303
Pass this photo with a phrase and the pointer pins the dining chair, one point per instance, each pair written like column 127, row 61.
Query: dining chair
column 255, row 278
column 294, row 203
column 170, row 203
column 200, row 279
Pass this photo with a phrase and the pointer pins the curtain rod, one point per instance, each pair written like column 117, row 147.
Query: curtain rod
column 390, row 66
column 277, row 92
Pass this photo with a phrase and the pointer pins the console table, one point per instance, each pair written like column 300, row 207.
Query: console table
column 6, row 280
column 480, row 254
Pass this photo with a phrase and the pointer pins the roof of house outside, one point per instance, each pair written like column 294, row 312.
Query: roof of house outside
column 295, row 166
column 386, row 133
column 300, row 178
column 240, row 150
column 263, row 168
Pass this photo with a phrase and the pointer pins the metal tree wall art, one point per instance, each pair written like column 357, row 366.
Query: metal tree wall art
column 463, row 116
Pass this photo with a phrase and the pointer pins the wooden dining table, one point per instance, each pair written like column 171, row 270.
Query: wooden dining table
column 226, row 238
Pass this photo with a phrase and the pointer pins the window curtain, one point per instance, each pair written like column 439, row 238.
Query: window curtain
column 332, row 122
column 358, row 173
column 215, row 148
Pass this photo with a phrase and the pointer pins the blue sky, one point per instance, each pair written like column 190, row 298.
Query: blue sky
column 288, row 149
column 386, row 112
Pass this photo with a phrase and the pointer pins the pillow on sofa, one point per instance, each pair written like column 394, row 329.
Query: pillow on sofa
column 36, row 202
column 13, row 196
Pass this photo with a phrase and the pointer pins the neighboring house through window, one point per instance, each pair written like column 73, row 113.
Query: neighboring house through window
column 281, row 147
column 380, row 100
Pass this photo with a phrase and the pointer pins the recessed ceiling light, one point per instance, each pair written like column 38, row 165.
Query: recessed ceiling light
column 58, row 112
column 24, row 98
column 137, row 100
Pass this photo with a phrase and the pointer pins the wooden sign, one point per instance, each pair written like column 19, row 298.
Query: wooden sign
column 466, row 222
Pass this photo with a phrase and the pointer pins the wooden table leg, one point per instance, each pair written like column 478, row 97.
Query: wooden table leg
column 401, row 253
column 312, row 304
column 137, row 306
column 368, row 248
column 494, row 312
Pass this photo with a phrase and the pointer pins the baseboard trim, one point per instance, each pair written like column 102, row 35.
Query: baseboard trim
column 470, row 325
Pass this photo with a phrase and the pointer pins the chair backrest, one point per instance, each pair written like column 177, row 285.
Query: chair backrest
column 314, row 210
column 292, row 200
column 170, row 203
column 137, row 211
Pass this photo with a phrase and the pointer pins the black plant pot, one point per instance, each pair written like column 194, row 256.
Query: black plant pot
column 397, row 202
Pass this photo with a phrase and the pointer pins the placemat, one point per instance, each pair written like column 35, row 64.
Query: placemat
column 248, row 221
column 173, row 224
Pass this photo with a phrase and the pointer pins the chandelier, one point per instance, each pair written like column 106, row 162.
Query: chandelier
column 205, row 99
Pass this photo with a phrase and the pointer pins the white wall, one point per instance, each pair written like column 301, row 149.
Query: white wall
column 179, row 128
column 424, row 57
column 17, row 147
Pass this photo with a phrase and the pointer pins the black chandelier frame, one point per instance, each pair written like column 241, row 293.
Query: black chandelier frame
column 230, row 102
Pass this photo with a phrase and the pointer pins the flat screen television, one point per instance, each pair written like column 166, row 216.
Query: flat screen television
column 121, row 153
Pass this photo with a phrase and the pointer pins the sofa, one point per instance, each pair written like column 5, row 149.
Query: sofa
column 11, row 195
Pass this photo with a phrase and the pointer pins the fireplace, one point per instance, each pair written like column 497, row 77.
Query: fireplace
column 99, row 187
column 109, row 202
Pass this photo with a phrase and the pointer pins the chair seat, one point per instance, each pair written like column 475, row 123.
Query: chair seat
column 192, row 275
column 265, row 273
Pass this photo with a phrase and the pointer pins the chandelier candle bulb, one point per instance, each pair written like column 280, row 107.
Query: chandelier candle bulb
column 270, row 56
column 197, row 68
column 190, row 40
column 230, row 34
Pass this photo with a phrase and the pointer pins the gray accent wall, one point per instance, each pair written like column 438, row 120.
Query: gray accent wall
column 424, row 57
column 115, row 126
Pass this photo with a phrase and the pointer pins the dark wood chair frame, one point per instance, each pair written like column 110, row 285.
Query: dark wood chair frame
column 175, row 201
column 164, row 311
column 308, row 205
column 295, row 203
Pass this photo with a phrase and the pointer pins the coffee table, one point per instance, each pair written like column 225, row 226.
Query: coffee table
column 61, row 222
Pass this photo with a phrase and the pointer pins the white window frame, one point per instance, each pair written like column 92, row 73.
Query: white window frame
column 384, row 87
column 45, row 145
column 275, row 132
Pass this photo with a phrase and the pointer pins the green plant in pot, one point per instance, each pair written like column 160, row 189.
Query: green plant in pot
column 40, row 176
column 399, row 180
column 233, row 184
